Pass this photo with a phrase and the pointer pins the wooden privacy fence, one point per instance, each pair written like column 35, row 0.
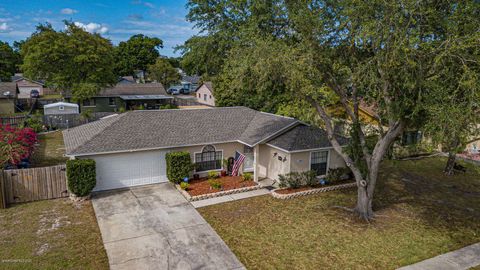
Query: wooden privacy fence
column 26, row 185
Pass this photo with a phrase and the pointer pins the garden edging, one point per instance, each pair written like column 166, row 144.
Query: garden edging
column 311, row 191
column 215, row 194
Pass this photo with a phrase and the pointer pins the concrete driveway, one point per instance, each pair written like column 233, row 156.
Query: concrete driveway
column 154, row 227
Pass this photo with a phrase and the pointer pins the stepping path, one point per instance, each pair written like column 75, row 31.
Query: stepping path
column 464, row 258
column 231, row 197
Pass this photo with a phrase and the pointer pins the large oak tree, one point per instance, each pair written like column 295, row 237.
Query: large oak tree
column 71, row 59
column 325, row 53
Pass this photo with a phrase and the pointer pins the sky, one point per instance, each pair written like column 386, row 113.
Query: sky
column 116, row 20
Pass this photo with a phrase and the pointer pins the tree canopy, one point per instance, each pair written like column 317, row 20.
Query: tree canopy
column 162, row 71
column 72, row 59
column 323, row 53
column 136, row 53
column 9, row 59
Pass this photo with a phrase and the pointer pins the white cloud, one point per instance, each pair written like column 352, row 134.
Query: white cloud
column 4, row 27
column 93, row 27
column 68, row 11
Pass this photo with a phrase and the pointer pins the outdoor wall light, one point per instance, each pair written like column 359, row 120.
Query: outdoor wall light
column 275, row 154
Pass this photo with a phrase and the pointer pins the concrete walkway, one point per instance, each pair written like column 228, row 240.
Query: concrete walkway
column 464, row 258
column 231, row 197
column 154, row 227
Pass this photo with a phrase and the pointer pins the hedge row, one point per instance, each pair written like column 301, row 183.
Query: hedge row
column 81, row 176
column 179, row 166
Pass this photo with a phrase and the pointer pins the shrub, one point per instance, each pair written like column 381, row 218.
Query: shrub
column 121, row 110
column 168, row 107
column 81, row 177
column 291, row 180
column 247, row 177
column 184, row 185
column 35, row 123
column 310, row 178
column 16, row 144
column 179, row 166
column 215, row 183
column 212, row 175
column 335, row 175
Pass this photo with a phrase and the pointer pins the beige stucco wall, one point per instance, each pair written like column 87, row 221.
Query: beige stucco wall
column 203, row 90
column 227, row 148
column 301, row 161
column 269, row 166
column 473, row 145
column 24, row 91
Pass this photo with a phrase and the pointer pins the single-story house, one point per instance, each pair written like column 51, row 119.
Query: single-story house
column 189, row 83
column 129, row 148
column 26, row 86
column 204, row 94
column 60, row 108
column 8, row 97
column 127, row 96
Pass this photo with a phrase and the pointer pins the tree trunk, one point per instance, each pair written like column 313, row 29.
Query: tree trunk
column 450, row 163
column 364, row 203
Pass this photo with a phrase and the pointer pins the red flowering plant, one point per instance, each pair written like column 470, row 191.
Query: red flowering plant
column 16, row 144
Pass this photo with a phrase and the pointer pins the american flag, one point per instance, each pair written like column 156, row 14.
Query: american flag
column 239, row 158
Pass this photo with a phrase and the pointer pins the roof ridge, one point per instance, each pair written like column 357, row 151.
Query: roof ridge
column 115, row 119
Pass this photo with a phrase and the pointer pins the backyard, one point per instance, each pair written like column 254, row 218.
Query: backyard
column 52, row 234
column 50, row 151
column 421, row 214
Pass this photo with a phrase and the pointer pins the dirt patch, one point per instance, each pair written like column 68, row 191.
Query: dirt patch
column 201, row 186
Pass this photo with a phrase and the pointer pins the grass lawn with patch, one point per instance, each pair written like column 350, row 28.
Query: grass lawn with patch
column 50, row 151
column 421, row 214
column 52, row 234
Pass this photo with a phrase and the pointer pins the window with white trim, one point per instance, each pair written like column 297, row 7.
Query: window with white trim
column 209, row 159
column 318, row 162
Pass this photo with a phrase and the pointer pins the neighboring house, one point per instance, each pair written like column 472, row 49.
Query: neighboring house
column 8, row 97
column 127, row 96
column 129, row 148
column 60, row 108
column 204, row 94
column 190, row 83
column 127, row 79
column 26, row 86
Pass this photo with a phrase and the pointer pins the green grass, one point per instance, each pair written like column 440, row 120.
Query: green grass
column 53, row 234
column 421, row 214
column 50, row 151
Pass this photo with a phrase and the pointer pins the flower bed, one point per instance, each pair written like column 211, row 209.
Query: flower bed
column 201, row 189
column 202, row 186
column 289, row 193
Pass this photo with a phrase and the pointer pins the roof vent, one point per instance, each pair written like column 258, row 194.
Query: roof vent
column 6, row 93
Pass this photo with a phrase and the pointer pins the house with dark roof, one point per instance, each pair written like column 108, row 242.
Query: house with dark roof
column 126, row 95
column 129, row 148
column 204, row 94
column 8, row 97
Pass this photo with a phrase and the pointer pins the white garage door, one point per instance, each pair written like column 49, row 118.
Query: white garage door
column 130, row 169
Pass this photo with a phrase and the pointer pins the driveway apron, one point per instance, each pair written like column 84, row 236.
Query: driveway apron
column 155, row 227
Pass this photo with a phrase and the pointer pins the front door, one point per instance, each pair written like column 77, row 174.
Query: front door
column 248, row 163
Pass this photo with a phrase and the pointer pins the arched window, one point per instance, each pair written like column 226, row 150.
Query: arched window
column 209, row 159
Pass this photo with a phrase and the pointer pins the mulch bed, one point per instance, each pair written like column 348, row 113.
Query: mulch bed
column 294, row 190
column 201, row 186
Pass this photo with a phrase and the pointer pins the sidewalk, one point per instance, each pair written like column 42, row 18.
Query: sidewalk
column 231, row 197
column 464, row 258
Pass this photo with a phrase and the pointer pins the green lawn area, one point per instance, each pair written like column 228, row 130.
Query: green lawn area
column 51, row 150
column 53, row 234
column 421, row 214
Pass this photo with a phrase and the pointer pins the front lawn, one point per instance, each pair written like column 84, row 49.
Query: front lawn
column 52, row 234
column 421, row 214
column 50, row 151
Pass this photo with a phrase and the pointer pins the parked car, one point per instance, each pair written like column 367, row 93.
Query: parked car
column 174, row 91
column 34, row 94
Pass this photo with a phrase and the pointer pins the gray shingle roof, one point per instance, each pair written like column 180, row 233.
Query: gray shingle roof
column 10, row 87
column 303, row 138
column 130, row 89
column 138, row 130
